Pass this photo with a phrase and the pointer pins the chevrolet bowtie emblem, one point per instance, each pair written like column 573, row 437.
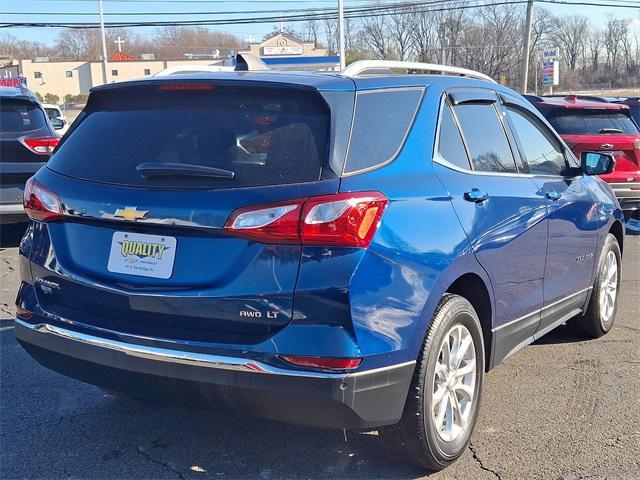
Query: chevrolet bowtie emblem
column 606, row 146
column 131, row 213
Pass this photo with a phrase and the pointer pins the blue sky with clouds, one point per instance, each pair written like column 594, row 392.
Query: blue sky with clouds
column 53, row 10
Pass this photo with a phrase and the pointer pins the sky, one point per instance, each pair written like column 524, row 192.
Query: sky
column 54, row 10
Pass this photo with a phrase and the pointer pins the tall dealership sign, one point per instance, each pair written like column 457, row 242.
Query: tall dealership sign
column 550, row 68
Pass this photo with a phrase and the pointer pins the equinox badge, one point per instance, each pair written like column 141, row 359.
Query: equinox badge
column 131, row 213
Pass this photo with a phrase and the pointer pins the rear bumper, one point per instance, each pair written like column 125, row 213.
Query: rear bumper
column 358, row 400
column 12, row 213
column 628, row 195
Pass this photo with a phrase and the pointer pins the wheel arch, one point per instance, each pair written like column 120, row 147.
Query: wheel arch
column 617, row 230
column 472, row 287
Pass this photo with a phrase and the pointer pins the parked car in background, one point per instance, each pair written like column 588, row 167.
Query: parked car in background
column 373, row 246
column 634, row 106
column 56, row 117
column 592, row 124
column 27, row 139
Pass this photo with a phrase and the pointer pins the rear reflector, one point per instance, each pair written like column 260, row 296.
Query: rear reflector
column 321, row 362
column 22, row 313
column 40, row 203
column 343, row 219
column 40, row 145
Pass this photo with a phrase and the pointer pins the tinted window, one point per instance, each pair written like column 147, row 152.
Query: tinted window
column 544, row 156
column 20, row 116
column 266, row 136
column 485, row 138
column 381, row 123
column 590, row 122
column 450, row 145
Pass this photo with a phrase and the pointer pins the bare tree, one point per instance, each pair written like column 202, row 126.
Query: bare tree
column 570, row 34
column 375, row 33
column 400, row 33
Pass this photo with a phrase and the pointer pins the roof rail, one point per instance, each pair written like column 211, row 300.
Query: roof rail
column 357, row 68
column 190, row 68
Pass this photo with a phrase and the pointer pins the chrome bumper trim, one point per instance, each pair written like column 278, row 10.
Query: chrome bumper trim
column 12, row 209
column 218, row 362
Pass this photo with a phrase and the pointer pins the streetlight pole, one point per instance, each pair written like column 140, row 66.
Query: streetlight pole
column 524, row 74
column 343, row 60
column 105, row 78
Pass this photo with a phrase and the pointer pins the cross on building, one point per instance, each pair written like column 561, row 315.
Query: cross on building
column 119, row 41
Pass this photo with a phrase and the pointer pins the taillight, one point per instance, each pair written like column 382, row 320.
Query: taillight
column 41, row 145
column 343, row 219
column 636, row 144
column 327, row 363
column 40, row 203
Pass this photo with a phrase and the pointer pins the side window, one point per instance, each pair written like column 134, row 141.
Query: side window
column 543, row 154
column 450, row 144
column 382, row 121
column 485, row 137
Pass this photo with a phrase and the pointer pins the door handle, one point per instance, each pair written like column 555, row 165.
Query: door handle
column 475, row 195
column 552, row 195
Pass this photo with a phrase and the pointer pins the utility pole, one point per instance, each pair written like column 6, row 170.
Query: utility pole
column 343, row 60
column 105, row 78
column 524, row 74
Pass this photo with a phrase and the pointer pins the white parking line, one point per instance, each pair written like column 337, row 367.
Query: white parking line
column 7, row 328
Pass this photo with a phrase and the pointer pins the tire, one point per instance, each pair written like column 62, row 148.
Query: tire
column 598, row 319
column 416, row 439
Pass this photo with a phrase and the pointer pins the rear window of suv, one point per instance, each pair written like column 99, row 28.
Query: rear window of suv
column 591, row 122
column 264, row 135
column 20, row 115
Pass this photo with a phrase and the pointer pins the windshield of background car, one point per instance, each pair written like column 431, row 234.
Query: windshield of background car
column 592, row 122
column 18, row 115
column 265, row 135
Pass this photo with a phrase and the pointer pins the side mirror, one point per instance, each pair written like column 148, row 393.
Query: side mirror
column 57, row 123
column 596, row 163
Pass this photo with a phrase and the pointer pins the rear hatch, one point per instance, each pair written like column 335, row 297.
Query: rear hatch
column 141, row 249
column 602, row 130
column 21, row 122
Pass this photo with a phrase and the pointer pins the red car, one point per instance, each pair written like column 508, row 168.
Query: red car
column 592, row 124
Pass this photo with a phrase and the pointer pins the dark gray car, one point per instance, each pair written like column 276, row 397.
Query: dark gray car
column 27, row 139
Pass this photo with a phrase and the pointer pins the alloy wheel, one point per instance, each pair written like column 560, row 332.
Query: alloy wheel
column 454, row 384
column 608, row 288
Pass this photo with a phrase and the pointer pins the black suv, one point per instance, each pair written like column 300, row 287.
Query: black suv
column 27, row 139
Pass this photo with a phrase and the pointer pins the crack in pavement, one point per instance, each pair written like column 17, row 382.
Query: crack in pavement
column 482, row 467
column 168, row 465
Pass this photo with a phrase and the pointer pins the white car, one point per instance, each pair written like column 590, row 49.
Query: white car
column 54, row 111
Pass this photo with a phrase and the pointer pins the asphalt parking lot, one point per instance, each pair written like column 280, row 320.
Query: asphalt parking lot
column 562, row 408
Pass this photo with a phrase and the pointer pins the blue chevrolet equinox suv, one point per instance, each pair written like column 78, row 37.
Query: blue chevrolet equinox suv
column 347, row 250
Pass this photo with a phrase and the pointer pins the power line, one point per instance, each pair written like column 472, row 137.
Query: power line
column 311, row 14
column 371, row 7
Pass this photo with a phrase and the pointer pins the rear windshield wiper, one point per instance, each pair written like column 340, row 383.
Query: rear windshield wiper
column 160, row 169
column 610, row 130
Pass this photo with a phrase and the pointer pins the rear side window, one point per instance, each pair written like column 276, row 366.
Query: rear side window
column 20, row 116
column 53, row 112
column 592, row 122
column 450, row 145
column 265, row 136
column 542, row 152
column 381, row 123
column 485, row 138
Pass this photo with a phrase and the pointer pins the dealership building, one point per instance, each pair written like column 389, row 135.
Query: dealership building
column 281, row 51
